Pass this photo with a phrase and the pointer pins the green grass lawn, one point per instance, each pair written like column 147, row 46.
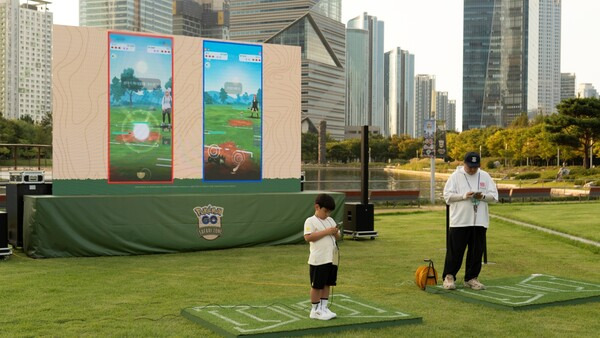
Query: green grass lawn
column 150, row 159
column 217, row 129
column 143, row 295
column 580, row 219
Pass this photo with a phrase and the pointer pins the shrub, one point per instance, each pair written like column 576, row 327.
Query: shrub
column 527, row 176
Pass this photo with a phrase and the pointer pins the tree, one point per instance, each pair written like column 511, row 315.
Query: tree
column 310, row 145
column 27, row 118
column 169, row 84
column 223, row 95
column 130, row 83
column 116, row 90
column 207, row 98
column 577, row 124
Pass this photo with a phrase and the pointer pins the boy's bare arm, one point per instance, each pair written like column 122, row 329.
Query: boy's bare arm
column 317, row 235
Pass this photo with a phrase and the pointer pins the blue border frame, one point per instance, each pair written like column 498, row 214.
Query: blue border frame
column 204, row 180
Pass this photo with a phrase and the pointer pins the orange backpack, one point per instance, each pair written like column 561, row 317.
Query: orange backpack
column 426, row 275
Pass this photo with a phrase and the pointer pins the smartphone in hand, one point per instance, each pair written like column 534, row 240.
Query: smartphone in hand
column 478, row 195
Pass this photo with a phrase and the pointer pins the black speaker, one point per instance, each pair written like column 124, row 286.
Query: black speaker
column 3, row 230
column 14, row 207
column 358, row 217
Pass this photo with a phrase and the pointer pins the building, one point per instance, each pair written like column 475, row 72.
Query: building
column 314, row 26
column 155, row 16
column 425, row 101
column 201, row 18
column 585, row 90
column 25, row 62
column 500, row 61
column 399, row 91
column 567, row 85
column 549, row 56
column 451, row 117
column 441, row 107
column 372, row 81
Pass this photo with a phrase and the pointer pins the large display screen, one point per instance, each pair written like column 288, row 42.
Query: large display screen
column 140, row 109
column 233, row 112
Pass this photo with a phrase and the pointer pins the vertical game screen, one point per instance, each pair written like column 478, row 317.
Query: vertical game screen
column 232, row 112
column 140, row 109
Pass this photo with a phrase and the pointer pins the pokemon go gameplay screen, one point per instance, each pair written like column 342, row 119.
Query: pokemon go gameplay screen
column 140, row 109
column 232, row 112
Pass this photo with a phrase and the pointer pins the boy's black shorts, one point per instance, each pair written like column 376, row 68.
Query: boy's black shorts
column 321, row 275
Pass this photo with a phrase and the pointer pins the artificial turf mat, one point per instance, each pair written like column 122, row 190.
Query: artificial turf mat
column 290, row 317
column 526, row 292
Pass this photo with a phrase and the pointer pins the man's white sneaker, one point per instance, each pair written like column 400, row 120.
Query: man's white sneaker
column 474, row 284
column 320, row 315
column 449, row 283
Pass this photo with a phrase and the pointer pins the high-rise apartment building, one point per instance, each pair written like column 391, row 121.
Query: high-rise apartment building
column 451, row 117
column 585, row 90
column 500, row 61
column 201, row 18
column 441, row 106
column 567, row 85
column 549, row 56
column 25, row 59
column 425, row 101
column 155, row 16
column 314, row 26
column 373, row 80
column 399, row 91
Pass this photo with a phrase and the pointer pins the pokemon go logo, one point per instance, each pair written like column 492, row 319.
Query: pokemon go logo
column 209, row 221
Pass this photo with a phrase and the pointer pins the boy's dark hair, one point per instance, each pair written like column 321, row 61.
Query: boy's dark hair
column 325, row 201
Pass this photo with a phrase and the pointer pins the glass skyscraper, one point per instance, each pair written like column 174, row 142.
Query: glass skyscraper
column 399, row 91
column 372, row 80
column 315, row 27
column 500, row 61
column 154, row 16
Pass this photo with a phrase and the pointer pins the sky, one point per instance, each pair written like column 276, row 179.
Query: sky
column 432, row 31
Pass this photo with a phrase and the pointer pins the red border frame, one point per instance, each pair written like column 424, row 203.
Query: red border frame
column 172, row 104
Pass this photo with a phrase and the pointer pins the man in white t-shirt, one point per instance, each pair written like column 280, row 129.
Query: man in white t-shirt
column 468, row 192
column 321, row 232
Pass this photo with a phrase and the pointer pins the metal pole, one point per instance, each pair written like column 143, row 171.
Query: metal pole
column 364, row 157
column 15, row 156
column 39, row 157
column 432, row 182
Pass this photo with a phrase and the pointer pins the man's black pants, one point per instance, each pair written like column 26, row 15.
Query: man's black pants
column 460, row 238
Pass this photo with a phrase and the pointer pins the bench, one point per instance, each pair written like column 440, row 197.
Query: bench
column 395, row 195
column 351, row 195
column 503, row 194
column 530, row 193
column 594, row 192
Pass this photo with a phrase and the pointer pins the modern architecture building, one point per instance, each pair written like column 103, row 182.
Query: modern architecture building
column 441, row 107
column 314, row 26
column 451, row 116
column 500, row 61
column 549, row 56
column 201, row 18
column 585, row 90
column 25, row 59
column 425, row 101
column 154, row 16
column 372, row 81
column 399, row 91
column 567, row 85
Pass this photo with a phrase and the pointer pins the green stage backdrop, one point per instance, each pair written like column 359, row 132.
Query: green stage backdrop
column 67, row 226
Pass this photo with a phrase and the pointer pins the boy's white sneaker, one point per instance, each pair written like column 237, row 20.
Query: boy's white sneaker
column 320, row 315
column 331, row 313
